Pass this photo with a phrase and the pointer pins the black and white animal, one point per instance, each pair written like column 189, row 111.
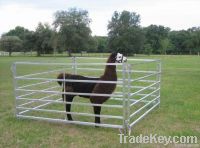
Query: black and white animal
column 109, row 74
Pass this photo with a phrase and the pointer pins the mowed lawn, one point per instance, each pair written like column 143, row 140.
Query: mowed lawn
column 178, row 114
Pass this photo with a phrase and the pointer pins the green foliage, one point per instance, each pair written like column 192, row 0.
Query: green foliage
column 165, row 46
column 72, row 33
column 155, row 35
column 18, row 31
column 91, row 45
column 102, row 43
column 43, row 35
column 148, row 49
column 29, row 42
column 73, row 29
column 195, row 39
column 125, row 34
column 24, row 35
column 10, row 44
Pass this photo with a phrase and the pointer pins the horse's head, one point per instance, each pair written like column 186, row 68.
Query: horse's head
column 117, row 57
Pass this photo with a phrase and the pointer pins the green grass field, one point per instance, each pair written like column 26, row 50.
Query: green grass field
column 178, row 114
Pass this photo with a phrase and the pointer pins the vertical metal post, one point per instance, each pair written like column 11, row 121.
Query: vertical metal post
column 13, row 68
column 158, row 78
column 126, row 97
column 64, row 96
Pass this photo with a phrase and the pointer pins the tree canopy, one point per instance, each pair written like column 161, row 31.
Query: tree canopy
column 43, row 35
column 10, row 44
column 125, row 34
column 73, row 29
column 71, row 32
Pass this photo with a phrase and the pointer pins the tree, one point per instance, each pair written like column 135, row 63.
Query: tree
column 180, row 41
column 43, row 35
column 29, row 43
column 164, row 46
column 18, row 31
column 194, row 39
column 102, row 43
column 73, row 29
column 92, row 45
column 10, row 44
column 148, row 49
column 22, row 33
column 125, row 34
column 54, row 42
column 155, row 35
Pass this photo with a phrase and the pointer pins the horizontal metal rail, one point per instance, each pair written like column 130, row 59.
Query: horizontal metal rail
column 67, row 121
column 39, row 73
column 65, row 64
column 129, row 59
column 145, row 81
column 143, row 101
column 73, row 113
column 92, row 58
column 24, row 95
column 24, row 86
column 38, row 99
column 42, row 105
column 145, row 88
column 143, row 115
column 144, row 97
column 145, row 62
column 148, row 81
column 140, row 78
column 139, row 87
column 72, row 80
column 70, row 93
column 75, row 103
column 143, row 71
column 118, row 70
column 91, row 69
column 143, row 107
column 131, row 100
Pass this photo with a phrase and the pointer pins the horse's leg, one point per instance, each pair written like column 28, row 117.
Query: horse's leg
column 69, row 99
column 97, row 110
column 68, row 106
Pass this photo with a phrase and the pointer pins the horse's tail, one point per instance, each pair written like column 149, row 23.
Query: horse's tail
column 62, row 76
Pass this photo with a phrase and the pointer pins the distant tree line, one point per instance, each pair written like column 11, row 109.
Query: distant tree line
column 71, row 33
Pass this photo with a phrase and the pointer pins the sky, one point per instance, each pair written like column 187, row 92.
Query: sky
column 176, row 14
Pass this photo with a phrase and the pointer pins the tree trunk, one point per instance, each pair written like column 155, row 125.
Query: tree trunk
column 10, row 53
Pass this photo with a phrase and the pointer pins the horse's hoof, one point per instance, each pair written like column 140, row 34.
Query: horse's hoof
column 96, row 125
